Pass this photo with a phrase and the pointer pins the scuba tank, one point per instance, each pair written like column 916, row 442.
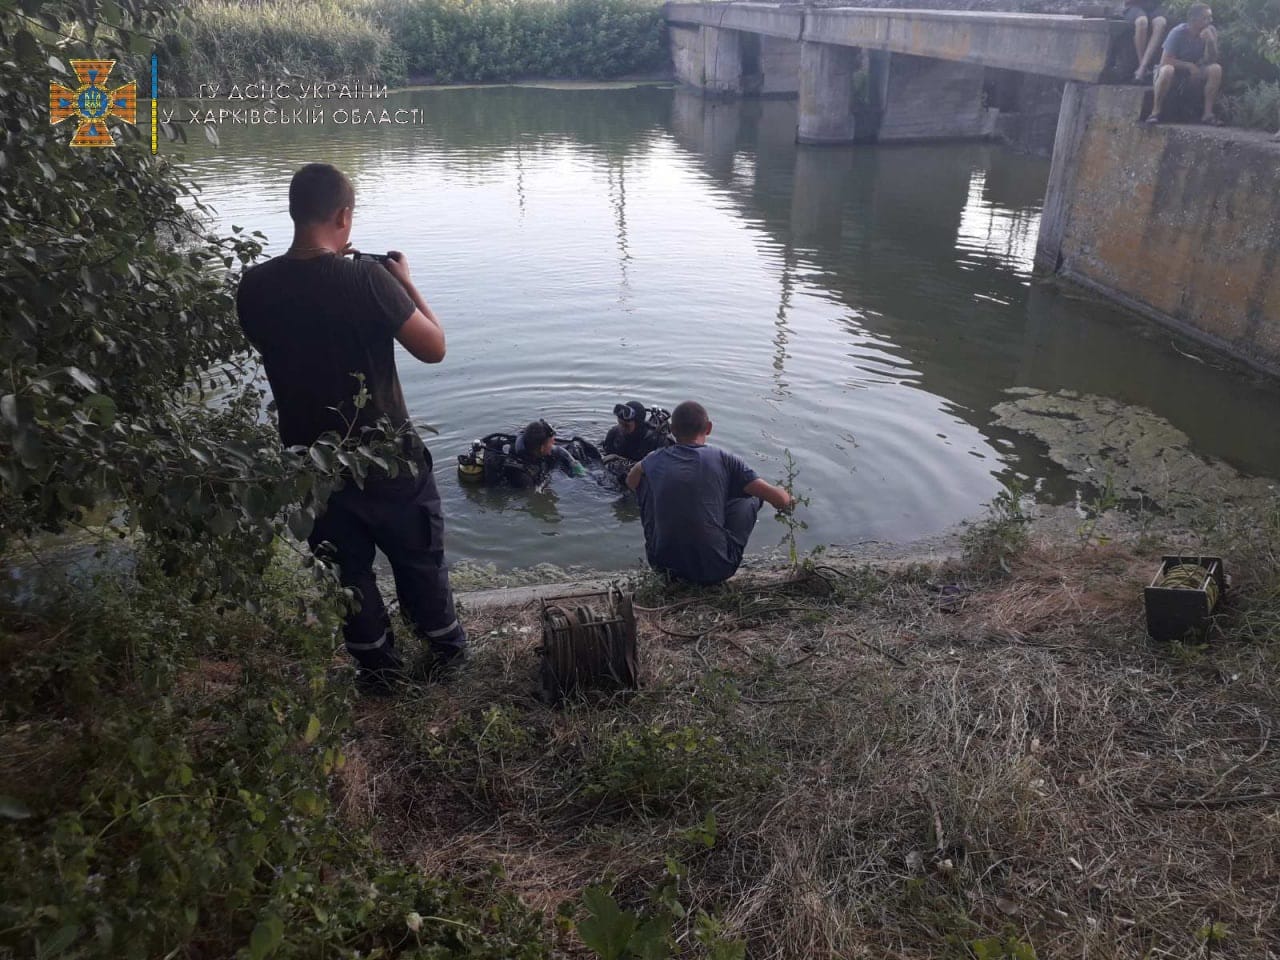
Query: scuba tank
column 471, row 465
column 492, row 461
column 659, row 421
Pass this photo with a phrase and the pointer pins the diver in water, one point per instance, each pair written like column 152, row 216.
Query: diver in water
column 634, row 437
column 536, row 447
column 638, row 433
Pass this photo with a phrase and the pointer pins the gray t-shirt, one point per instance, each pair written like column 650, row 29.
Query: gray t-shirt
column 1182, row 44
column 683, row 494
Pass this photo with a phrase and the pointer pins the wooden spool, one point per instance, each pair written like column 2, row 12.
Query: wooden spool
column 588, row 643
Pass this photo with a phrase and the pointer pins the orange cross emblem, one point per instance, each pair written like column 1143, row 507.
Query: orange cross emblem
column 92, row 103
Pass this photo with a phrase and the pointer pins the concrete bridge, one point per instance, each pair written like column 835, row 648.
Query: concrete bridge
column 887, row 74
column 1179, row 223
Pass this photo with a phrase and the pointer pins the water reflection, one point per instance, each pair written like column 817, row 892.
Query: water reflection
column 862, row 307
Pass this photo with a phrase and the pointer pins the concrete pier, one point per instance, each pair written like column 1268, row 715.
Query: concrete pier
column 1181, row 223
column 708, row 58
column 826, row 93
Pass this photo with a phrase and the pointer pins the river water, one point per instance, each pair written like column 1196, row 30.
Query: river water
column 863, row 308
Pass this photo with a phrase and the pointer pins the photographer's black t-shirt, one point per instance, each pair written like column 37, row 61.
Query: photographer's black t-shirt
column 317, row 322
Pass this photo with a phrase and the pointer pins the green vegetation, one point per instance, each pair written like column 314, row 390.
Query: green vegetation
column 119, row 319
column 171, row 774
column 480, row 40
column 170, row 743
column 315, row 40
column 992, row 543
column 445, row 41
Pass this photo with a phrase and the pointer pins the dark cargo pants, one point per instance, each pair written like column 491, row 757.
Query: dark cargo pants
column 407, row 525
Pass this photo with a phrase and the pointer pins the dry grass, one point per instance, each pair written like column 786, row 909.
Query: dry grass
column 899, row 764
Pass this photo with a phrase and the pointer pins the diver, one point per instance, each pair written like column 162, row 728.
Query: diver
column 537, row 447
column 635, row 436
column 638, row 433
column 526, row 459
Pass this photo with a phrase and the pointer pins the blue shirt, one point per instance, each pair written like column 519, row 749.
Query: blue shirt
column 683, row 493
column 1182, row 44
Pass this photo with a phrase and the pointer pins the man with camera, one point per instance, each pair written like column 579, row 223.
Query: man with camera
column 326, row 327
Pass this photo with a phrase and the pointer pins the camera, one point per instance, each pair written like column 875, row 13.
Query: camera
column 375, row 257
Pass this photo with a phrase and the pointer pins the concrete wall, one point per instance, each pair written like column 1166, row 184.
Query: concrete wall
column 708, row 58
column 825, row 113
column 686, row 54
column 1179, row 222
column 927, row 99
column 779, row 67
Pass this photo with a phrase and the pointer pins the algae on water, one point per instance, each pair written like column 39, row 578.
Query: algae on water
column 1146, row 456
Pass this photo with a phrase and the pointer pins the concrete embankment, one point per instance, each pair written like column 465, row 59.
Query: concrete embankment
column 1181, row 223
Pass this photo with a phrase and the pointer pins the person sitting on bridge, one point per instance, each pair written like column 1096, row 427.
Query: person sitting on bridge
column 698, row 504
column 536, row 446
column 1190, row 60
column 1148, row 31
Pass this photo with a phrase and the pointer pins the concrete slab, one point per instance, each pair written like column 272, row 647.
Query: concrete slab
column 766, row 19
column 1071, row 48
column 1067, row 47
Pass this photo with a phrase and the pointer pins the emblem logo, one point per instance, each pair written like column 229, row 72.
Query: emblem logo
column 92, row 103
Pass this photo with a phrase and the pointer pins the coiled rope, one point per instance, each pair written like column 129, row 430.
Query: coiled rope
column 583, row 649
column 1191, row 576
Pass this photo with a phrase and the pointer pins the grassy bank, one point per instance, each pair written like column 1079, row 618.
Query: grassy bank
column 169, row 772
column 923, row 762
column 388, row 41
column 984, row 758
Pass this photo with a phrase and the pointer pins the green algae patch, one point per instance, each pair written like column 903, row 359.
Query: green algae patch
column 1143, row 454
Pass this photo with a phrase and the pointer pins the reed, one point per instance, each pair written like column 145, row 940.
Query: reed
column 325, row 40
column 488, row 40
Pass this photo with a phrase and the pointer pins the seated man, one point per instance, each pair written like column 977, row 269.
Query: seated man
column 698, row 504
column 1190, row 60
column 1148, row 31
column 536, row 446
column 632, row 438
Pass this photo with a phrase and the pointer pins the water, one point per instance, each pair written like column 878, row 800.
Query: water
column 861, row 307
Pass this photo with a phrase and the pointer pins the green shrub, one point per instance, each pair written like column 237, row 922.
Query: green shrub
column 1258, row 107
column 316, row 40
column 168, row 774
column 991, row 544
column 488, row 40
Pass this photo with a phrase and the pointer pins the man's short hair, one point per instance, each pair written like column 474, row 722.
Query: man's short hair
column 317, row 192
column 1197, row 11
column 536, row 434
column 688, row 420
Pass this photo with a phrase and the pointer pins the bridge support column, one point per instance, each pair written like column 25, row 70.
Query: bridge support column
column 722, row 61
column 826, row 93
column 708, row 58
